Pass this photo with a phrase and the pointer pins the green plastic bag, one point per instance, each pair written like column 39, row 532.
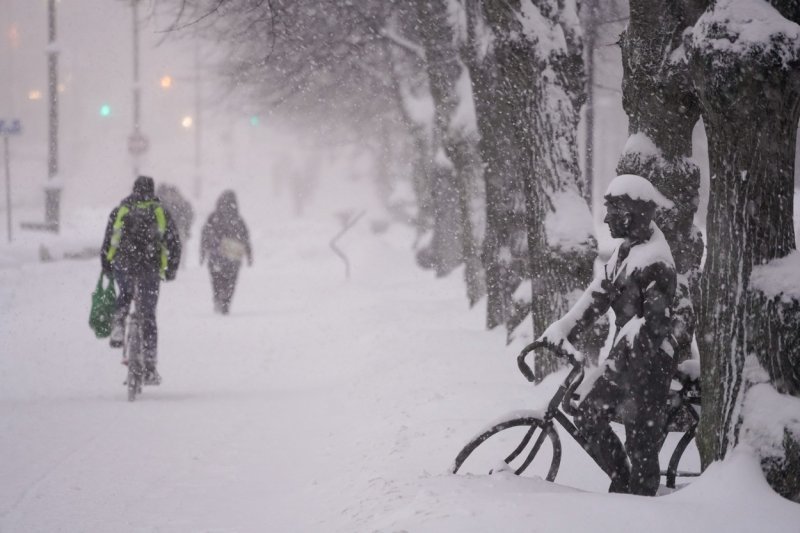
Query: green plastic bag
column 103, row 302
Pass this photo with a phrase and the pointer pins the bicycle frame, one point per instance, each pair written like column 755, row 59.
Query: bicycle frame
column 560, row 404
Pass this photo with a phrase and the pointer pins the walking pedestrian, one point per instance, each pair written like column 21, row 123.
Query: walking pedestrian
column 225, row 242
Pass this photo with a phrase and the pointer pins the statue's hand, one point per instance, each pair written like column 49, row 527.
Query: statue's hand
column 556, row 337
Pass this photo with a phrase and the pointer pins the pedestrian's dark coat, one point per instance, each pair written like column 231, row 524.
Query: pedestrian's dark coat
column 179, row 208
column 225, row 237
column 225, row 241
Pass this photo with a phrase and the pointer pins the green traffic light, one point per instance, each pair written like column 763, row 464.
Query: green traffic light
column 105, row 110
column 254, row 120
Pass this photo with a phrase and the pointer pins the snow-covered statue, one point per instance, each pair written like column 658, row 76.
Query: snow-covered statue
column 638, row 285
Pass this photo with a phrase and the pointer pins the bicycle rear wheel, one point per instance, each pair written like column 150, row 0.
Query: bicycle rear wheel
column 134, row 382
column 517, row 445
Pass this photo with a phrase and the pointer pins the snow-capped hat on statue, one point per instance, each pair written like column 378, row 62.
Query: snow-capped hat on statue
column 638, row 189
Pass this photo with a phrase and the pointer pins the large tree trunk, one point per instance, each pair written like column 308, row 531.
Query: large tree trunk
column 445, row 71
column 503, row 252
column 749, row 92
column 662, row 110
column 539, row 57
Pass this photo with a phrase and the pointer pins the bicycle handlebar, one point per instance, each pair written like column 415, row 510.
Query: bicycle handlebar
column 526, row 369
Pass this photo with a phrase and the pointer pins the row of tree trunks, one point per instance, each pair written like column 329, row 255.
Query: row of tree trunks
column 749, row 93
column 455, row 164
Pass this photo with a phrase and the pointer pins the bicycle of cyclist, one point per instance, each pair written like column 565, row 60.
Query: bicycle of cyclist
column 141, row 248
column 133, row 354
column 500, row 447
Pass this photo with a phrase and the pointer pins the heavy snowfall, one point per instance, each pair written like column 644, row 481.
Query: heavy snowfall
column 348, row 374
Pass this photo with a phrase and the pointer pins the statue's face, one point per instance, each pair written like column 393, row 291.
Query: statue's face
column 619, row 220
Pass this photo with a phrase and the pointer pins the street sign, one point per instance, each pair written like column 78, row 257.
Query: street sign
column 10, row 126
column 137, row 144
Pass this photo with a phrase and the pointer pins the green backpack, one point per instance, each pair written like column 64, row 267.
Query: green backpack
column 103, row 303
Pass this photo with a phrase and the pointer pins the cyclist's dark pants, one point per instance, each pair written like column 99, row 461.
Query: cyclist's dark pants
column 148, row 282
column 223, row 283
column 637, row 399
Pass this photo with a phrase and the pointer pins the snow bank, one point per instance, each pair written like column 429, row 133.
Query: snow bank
column 766, row 415
column 730, row 496
column 720, row 491
column 80, row 237
column 779, row 277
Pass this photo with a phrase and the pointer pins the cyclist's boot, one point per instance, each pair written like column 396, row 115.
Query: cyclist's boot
column 151, row 375
column 117, row 335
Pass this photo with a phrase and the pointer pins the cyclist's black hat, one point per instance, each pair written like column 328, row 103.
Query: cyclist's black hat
column 144, row 186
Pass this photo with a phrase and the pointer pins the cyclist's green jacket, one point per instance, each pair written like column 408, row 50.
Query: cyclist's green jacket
column 141, row 237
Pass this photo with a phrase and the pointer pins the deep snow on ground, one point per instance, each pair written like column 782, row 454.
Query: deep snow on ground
column 319, row 404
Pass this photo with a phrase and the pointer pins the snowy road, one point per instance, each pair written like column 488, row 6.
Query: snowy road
column 317, row 405
column 282, row 414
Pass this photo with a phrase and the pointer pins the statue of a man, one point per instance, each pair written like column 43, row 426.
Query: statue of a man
column 638, row 285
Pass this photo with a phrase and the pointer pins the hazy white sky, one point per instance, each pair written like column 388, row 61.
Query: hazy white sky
column 96, row 70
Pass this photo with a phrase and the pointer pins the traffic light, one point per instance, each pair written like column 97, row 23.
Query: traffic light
column 254, row 120
column 105, row 110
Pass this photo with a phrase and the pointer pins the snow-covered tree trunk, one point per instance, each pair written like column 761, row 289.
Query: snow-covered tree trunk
column 662, row 110
column 745, row 61
column 504, row 245
column 539, row 57
column 456, row 136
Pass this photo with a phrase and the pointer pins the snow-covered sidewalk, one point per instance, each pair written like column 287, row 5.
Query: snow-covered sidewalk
column 317, row 405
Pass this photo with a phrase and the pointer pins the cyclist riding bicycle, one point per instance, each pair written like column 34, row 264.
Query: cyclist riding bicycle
column 639, row 286
column 141, row 248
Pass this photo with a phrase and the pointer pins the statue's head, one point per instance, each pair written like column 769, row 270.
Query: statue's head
column 631, row 203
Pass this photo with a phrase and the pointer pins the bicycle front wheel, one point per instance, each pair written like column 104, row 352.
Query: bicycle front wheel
column 517, row 445
column 133, row 354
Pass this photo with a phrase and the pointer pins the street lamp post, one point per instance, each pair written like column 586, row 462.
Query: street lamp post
column 137, row 90
column 53, row 187
column 137, row 142
column 198, row 139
